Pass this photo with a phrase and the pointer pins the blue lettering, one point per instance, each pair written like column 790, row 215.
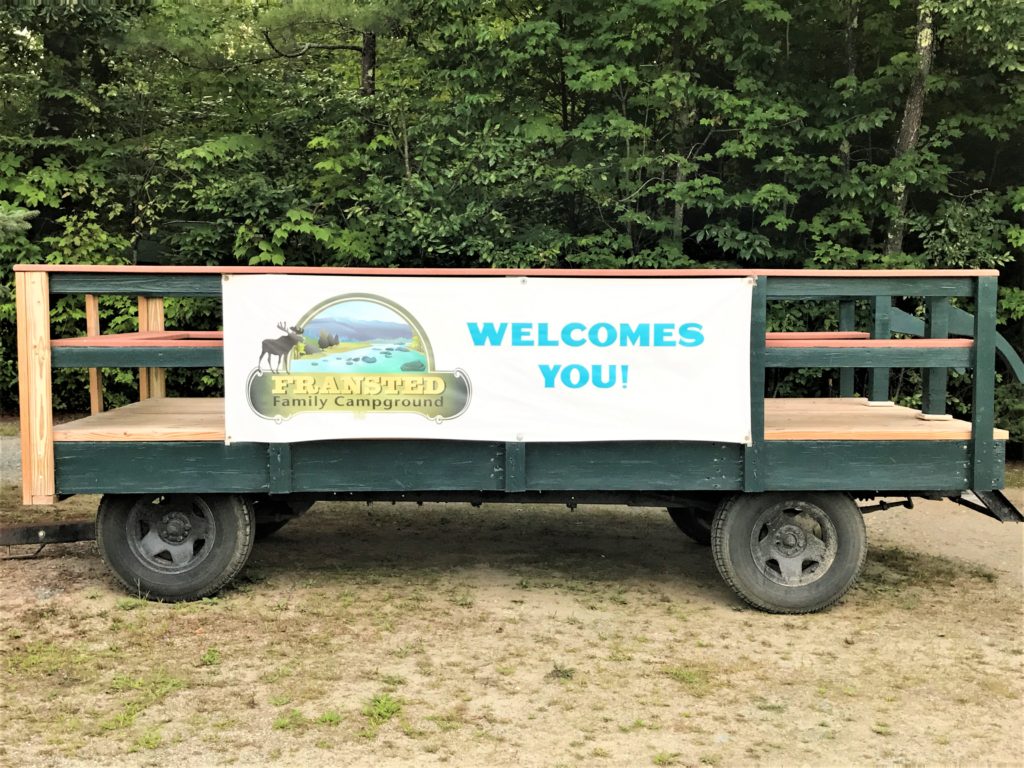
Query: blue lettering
column 487, row 333
column 605, row 330
column 567, row 337
column 549, row 372
column 690, row 335
column 637, row 335
column 600, row 382
column 521, row 334
column 663, row 335
column 542, row 336
column 582, row 377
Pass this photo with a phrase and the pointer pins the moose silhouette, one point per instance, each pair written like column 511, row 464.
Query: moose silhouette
column 281, row 347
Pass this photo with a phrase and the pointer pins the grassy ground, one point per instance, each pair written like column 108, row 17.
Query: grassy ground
column 535, row 636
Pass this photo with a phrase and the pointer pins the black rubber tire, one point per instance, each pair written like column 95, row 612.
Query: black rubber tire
column 219, row 555
column 732, row 543
column 694, row 522
column 272, row 514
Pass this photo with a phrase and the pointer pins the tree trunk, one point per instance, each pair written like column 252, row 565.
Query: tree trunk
column 368, row 76
column 910, row 127
column 850, row 44
column 679, row 210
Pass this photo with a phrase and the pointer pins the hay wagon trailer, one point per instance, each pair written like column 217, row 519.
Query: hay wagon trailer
column 182, row 502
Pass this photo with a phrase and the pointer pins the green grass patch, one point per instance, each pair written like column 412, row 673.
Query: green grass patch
column 560, row 672
column 210, row 658
column 147, row 690
column 292, row 720
column 379, row 710
column 47, row 659
column 131, row 603
column 695, row 679
column 148, row 739
column 329, row 718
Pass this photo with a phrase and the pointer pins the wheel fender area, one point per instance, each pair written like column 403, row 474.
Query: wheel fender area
column 839, row 529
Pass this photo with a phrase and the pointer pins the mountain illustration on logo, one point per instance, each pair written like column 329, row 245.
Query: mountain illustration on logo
column 358, row 353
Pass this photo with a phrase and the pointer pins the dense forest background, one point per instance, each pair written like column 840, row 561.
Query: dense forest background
column 640, row 133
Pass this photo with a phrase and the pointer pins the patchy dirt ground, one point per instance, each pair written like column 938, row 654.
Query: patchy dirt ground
column 532, row 636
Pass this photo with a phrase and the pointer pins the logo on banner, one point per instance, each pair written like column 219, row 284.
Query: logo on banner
column 358, row 353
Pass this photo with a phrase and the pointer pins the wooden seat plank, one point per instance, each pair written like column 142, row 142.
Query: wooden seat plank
column 202, row 419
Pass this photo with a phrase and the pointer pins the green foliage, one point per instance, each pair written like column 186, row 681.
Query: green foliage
column 649, row 133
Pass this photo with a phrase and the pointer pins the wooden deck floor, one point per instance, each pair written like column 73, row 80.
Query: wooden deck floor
column 187, row 419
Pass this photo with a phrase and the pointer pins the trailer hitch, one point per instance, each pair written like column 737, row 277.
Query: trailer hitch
column 884, row 505
column 46, row 533
column 994, row 504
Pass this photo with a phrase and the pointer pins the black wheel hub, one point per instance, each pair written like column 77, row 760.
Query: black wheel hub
column 172, row 534
column 174, row 528
column 794, row 543
column 790, row 540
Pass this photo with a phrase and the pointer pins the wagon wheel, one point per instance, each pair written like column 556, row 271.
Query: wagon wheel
column 789, row 552
column 174, row 547
column 272, row 514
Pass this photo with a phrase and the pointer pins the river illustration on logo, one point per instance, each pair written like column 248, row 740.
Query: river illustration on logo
column 357, row 353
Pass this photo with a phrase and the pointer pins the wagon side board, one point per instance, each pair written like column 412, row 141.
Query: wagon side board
column 404, row 466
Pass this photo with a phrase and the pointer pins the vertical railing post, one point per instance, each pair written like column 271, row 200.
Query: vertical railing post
column 983, row 389
column 881, row 328
column 92, row 328
column 753, row 470
column 35, row 393
column 847, row 322
column 933, row 380
column 151, row 318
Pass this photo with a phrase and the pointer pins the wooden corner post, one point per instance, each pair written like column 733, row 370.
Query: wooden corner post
column 92, row 328
column 35, row 394
column 152, row 382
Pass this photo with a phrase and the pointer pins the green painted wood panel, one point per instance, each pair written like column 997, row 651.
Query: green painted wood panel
column 933, row 385
column 753, row 476
column 867, row 465
column 398, row 465
column 829, row 357
column 107, row 467
column 881, row 328
column 406, row 466
column 823, row 287
column 515, row 467
column 279, row 467
column 137, row 357
column 114, row 284
column 847, row 322
column 983, row 387
column 637, row 466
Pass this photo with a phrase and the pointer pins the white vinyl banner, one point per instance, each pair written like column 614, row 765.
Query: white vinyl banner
column 311, row 357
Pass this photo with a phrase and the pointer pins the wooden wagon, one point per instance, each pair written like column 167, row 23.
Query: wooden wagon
column 182, row 503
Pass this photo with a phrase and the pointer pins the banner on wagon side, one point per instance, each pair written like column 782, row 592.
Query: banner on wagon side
column 328, row 357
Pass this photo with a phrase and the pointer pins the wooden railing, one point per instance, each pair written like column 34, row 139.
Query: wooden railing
column 153, row 348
